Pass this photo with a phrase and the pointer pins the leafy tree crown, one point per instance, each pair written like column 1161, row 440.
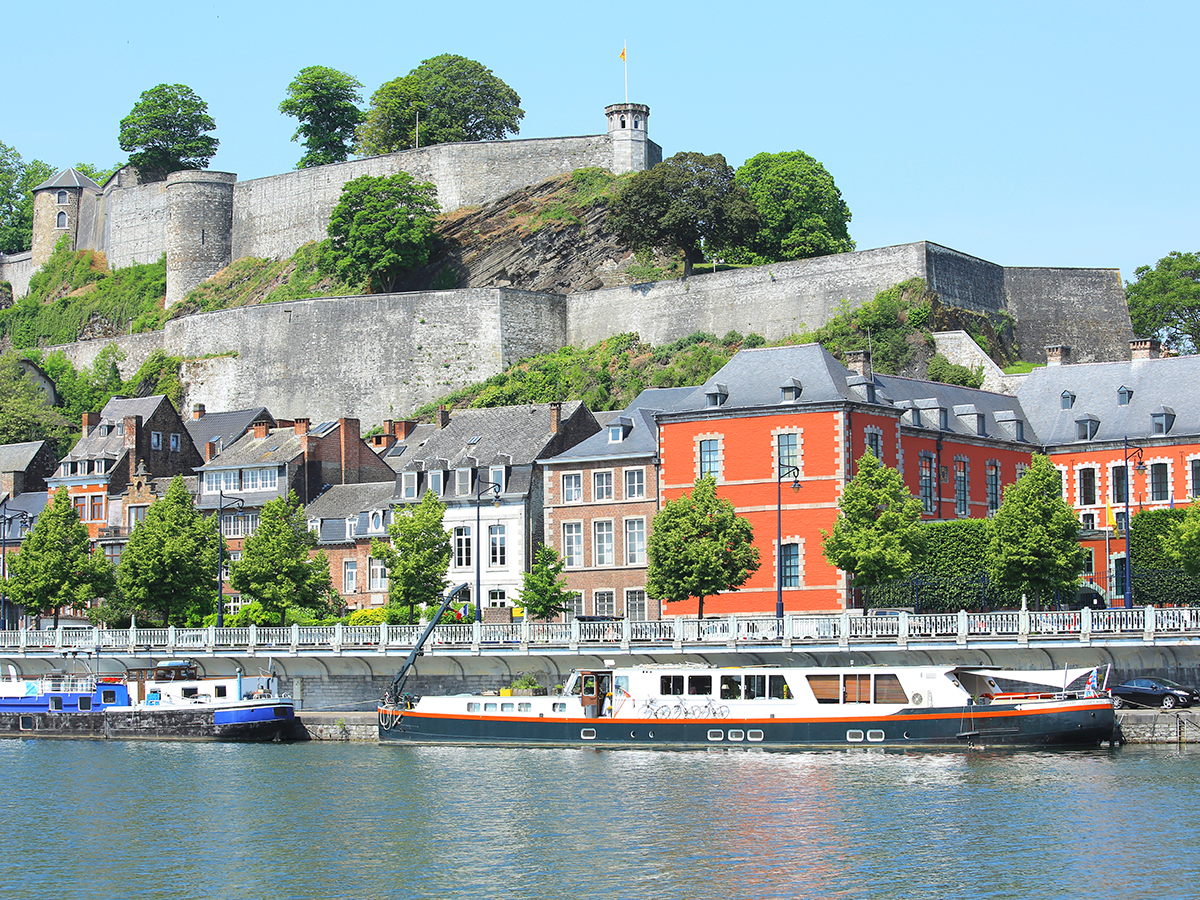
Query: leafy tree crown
column 325, row 101
column 167, row 130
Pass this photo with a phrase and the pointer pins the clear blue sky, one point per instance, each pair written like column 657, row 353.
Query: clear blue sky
column 1029, row 134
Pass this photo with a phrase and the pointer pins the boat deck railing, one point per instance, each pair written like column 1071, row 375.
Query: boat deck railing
column 1085, row 627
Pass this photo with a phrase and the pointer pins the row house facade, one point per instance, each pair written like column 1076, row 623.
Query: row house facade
column 601, row 496
column 1125, row 437
column 272, row 458
column 483, row 464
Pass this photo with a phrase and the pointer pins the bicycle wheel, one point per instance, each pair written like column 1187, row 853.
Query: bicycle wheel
column 722, row 712
column 662, row 712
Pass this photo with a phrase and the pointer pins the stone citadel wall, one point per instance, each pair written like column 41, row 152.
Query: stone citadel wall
column 378, row 357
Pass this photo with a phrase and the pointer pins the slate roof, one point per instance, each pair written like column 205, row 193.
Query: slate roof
column 400, row 452
column 70, row 178
column 963, row 404
column 341, row 501
column 224, row 427
column 97, row 444
column 506, row 435
column 17, row 457
column 1172, row 381
column 641, row 435
column 753, row 378
column 281, row 445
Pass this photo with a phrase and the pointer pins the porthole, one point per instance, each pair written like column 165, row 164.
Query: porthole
column 716, row 734
column 875, row 735
column 633, row 734
column 650, row 734
column 854, row 736
column 737, row 735
column 588, row 734
column 754, row 735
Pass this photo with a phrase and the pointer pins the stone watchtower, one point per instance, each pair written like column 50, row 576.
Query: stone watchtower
column 632, row 149
column 56, row 209
column 199, row 238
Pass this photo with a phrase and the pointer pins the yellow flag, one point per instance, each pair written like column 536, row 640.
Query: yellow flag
column 1109, row 520
column 622, row 54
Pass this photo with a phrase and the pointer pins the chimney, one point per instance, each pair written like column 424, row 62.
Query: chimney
column 1056, row 354
column 443, row 417
column 300, row 426
column 197, row 410
column 211, row 449
column 261, row 428
column 381, row 442
column 1144, row 348
column 388, row 424
column 90, row 421
column 404, row 428
column 859, row 361
column 556, row 417
column 349, row 443
column 132, row 426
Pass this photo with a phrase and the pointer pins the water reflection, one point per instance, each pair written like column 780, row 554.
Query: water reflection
column 318, row 821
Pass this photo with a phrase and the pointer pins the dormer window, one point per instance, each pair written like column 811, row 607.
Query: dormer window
column 1086, row 428
column 716, row 395
column 462, row 485
column 1068, row 399
column 981, row 425
column 352, row 526
column 1019, row 430
column 1162, row 420
column 943, row 419
column 496, row 476
column 1124, row 395
column 616, row 434
column 790, row 392
column 409, row 482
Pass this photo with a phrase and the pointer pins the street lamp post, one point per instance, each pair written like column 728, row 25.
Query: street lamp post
column 484, row 487
column 1134, row 453
column 237, row 503
column 792, row 472
column 6, row 521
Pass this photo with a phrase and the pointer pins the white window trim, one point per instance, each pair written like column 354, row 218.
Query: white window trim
column 625, row 482
column 612, row 544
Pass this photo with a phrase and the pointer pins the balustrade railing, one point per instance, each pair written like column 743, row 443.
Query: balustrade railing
column 840, row 629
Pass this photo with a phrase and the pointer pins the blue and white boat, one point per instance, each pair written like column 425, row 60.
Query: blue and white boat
column 166, row 701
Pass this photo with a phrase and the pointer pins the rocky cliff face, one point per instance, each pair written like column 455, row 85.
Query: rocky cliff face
column 534, row 239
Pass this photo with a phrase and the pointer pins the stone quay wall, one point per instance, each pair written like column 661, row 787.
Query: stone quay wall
column 17, row 269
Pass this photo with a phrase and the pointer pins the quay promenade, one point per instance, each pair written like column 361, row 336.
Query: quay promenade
column 345, row 668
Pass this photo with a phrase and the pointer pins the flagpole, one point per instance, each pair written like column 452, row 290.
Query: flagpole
column 624, row 47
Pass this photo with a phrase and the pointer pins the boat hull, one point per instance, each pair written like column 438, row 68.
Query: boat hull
column 1074, row 724
column 266, row 721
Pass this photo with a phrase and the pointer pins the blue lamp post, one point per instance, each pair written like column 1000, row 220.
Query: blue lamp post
column 792, row 472
column 1130, row 453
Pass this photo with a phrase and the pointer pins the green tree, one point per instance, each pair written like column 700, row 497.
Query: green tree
column 166, row 131
column 1035, row 535
column 684, row 204
column 55, row 567
column 98, row 174
column 17, row 181
column 877, row 535
column 456, row 99
column 24, row 413
column 325, row 101
column 699, row 547
column 168, row 569
column 417, row 556
column 946, row 372
column 275, row 568
column 1165, row 301
column 544, row 592
column 1183, row 545
column 381, row 227
column 801, row 210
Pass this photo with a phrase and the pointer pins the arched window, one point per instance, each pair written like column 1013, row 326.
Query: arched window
column 62, row 220
column 622, row 121
column 62, row 197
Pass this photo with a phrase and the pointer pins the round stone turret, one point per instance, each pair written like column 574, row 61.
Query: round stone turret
column 627, row 124
column 56, row 211
column 199, row 228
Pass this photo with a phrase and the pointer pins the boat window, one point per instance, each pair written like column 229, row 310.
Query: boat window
column 737, row 735
column 27, row 723
column 56, row 703
column 558, row 707
column 731, row 687
column 756, row 686
column 875, row 735
column 854, row 736
column 489, row 707
column 825, row 688
column 108, row 696
column 621, row 685
column 473, row 707
column 219, row 690
column 589, row 685
column 588, row 734
column 670, row 685
column 858, row 689
column 507, row 707
column 716, row 734
column 779, row 688
column 889, row 690
column 190, row 691
column 754, row 734
column 85, row 704
column 524, row 707
column 700, row 685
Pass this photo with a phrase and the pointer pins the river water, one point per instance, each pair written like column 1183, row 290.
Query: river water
column 97, row 819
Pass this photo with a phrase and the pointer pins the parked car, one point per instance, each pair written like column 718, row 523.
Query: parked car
column 1154, row 692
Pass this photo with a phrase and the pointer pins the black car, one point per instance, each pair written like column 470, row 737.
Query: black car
column 1149, row 692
